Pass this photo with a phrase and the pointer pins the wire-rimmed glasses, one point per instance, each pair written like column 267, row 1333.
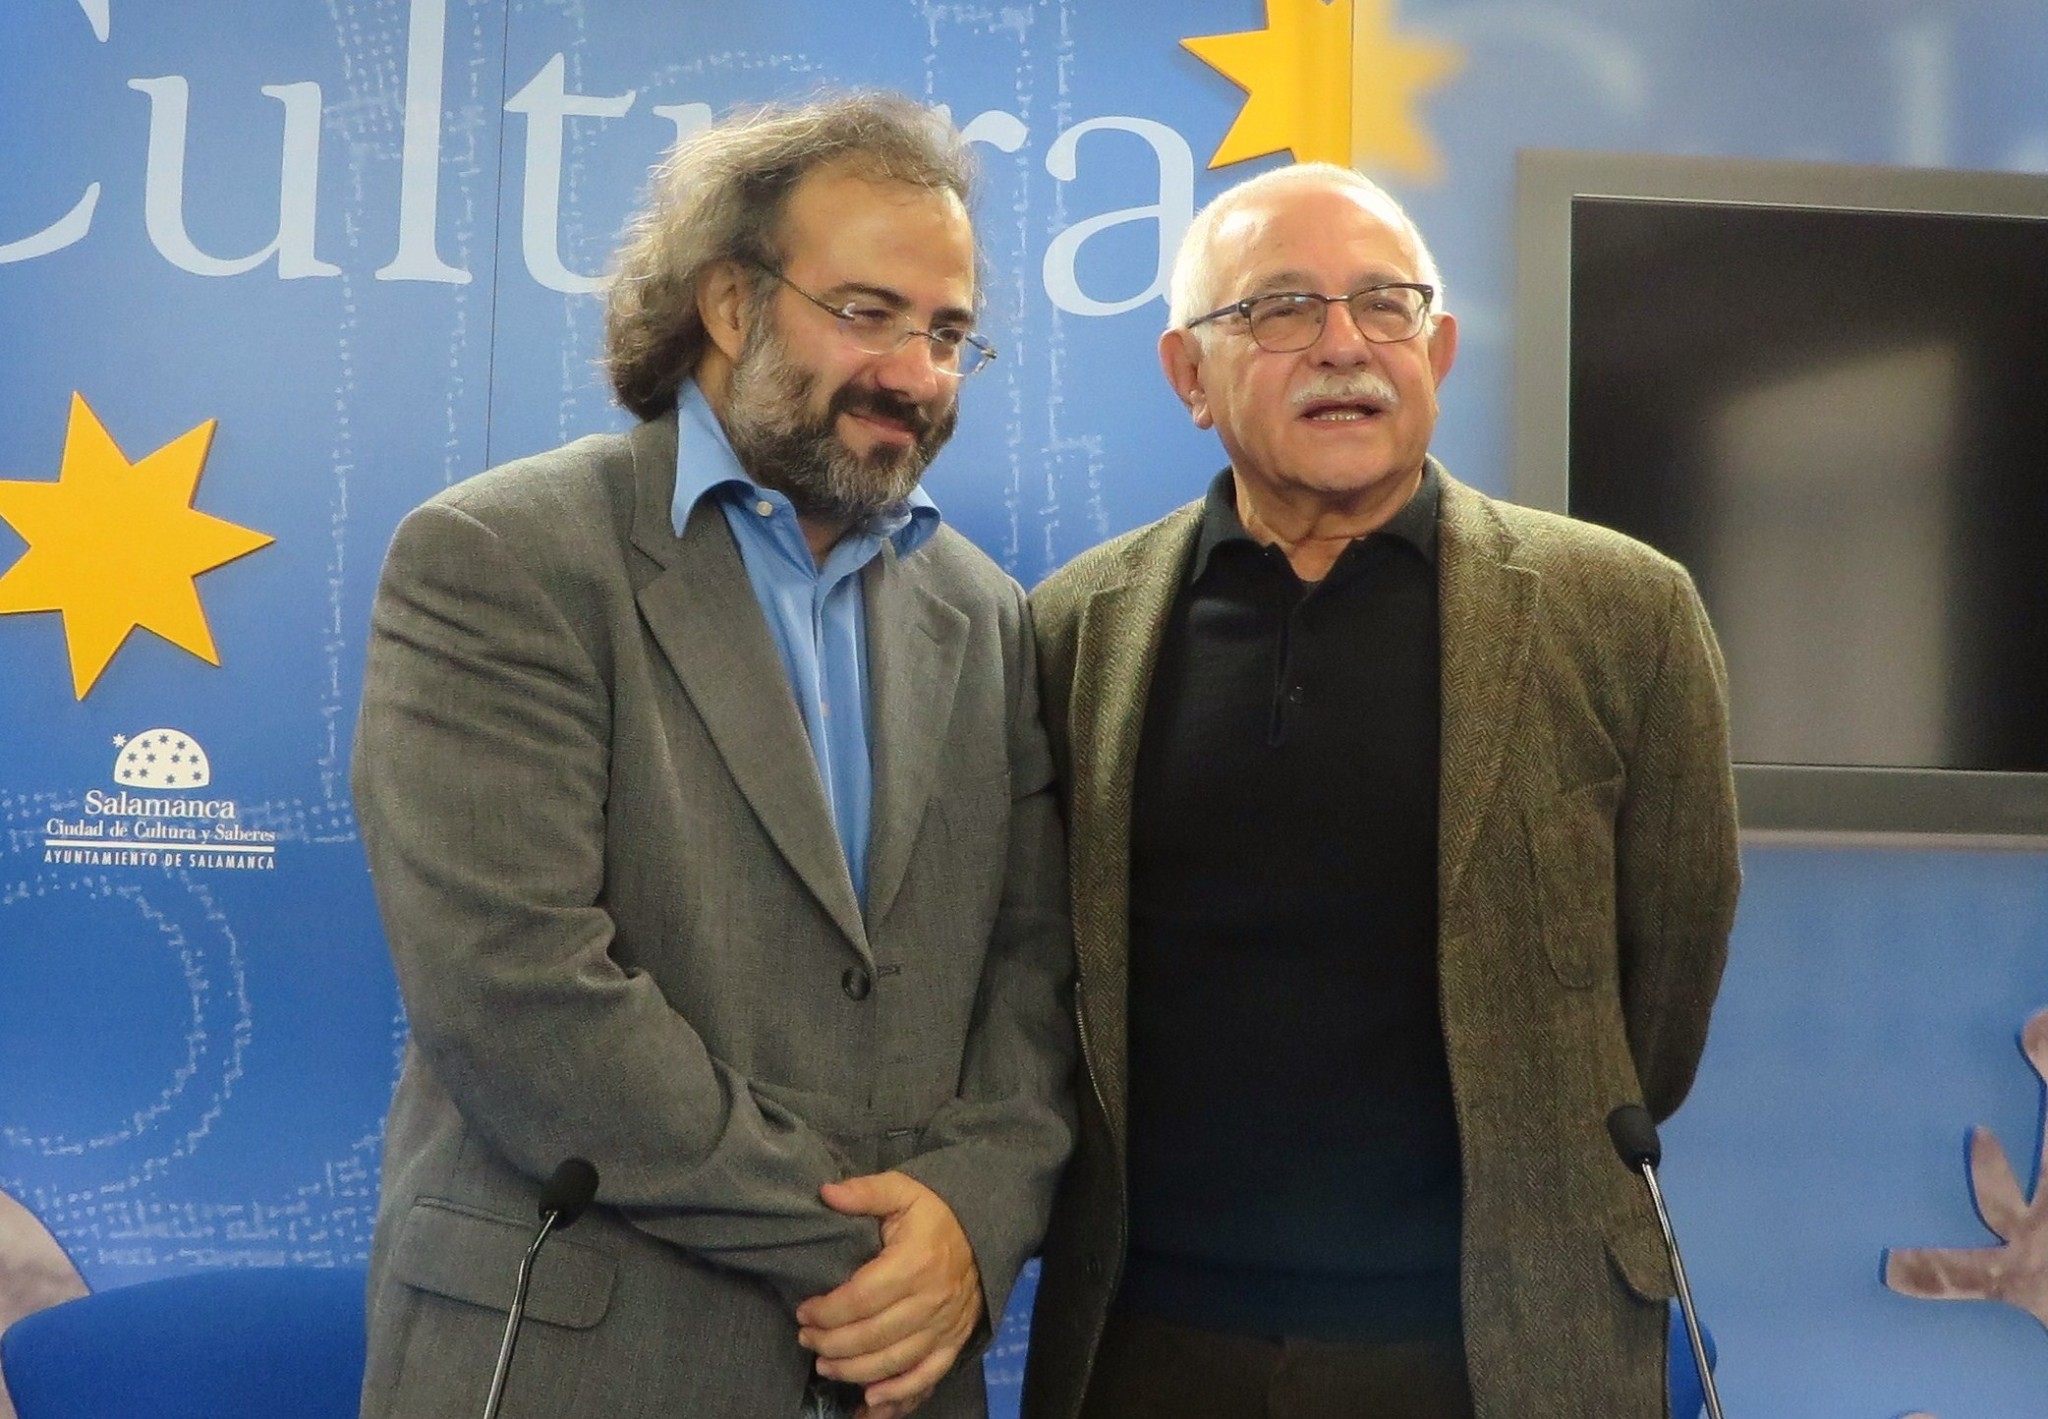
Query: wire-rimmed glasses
column 874, row 329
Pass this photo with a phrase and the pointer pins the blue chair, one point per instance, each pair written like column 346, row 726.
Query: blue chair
column 1688, row 1391
column 270, row 1343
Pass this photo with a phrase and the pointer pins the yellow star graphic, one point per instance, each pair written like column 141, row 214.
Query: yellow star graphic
column 1330, row 82
column 115, row 545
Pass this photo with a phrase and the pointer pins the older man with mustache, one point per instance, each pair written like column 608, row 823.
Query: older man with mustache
column 1403, row 844
column 702, row 780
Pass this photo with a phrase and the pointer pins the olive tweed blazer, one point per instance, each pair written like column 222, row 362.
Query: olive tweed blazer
column 1587, row 881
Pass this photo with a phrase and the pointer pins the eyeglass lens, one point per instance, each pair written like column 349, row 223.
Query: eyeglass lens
column 875, row 331
column 1294, row 321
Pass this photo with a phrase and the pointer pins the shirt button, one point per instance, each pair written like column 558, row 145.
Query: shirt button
column 765, row 508
column 856, row 983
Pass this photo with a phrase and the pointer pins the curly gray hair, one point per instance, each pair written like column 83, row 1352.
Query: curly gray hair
column 720, row 194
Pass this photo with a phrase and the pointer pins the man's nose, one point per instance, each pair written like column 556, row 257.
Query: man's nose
column 1341, row 341
column 912, row 370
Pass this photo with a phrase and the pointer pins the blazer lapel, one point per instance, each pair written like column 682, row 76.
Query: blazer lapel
column 701, row 611
column 1116, row 649
column 915, row 645
column 1488, row 610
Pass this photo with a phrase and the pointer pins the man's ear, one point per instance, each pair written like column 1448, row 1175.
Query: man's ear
column 722, row 291
column 1443, row 346
column 1180, row 356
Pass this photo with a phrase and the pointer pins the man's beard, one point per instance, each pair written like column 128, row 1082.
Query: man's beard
column 782, row 447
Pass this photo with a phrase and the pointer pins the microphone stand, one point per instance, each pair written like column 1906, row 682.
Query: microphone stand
column 518, row 1315
column 1685, row 1307
column 563, row 1198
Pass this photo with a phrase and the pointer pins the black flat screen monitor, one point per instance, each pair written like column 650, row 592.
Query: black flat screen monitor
column 1825, row 390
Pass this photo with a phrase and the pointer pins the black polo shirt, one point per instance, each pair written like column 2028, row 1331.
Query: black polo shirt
column 1293, row 1150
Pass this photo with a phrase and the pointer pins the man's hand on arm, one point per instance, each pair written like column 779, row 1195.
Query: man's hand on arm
column 898, row 1323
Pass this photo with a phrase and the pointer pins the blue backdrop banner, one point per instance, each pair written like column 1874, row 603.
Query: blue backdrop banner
column 274, row 271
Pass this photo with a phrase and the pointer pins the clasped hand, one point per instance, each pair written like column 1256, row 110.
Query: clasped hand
column 896, row 1325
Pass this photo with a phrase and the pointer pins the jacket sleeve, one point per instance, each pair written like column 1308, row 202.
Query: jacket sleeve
column 1678, row 868
column 995, row 1152
column 481, row 775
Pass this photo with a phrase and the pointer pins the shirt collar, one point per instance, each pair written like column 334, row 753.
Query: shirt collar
column 1414, row 524
column 706, row 465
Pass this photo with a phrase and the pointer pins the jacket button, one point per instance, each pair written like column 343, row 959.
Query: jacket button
column 1092, row 1268
column 856, row 983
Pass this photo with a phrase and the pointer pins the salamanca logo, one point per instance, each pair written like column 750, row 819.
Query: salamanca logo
column 160, row 759
column 149, row 822
column 127, row 805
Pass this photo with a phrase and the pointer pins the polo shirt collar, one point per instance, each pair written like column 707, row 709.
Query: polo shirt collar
column 1414, row 524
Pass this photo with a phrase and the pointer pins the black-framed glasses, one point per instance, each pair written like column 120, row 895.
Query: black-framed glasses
column 1286, row 321
column 957, row 351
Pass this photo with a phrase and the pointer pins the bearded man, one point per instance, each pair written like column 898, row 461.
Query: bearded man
column 703, row 786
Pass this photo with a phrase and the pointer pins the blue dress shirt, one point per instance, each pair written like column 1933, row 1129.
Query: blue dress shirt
column 817, row 613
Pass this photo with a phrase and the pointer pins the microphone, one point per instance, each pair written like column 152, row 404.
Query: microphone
column 568, row 1190
column 1634, row 1134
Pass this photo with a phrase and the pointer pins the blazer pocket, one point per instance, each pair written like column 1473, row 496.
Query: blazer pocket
column 472, row 1256
column 1636, row 1249
column 1571, row 840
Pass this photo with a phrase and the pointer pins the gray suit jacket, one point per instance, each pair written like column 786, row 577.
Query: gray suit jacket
column 624, row 929
column 1587, row 874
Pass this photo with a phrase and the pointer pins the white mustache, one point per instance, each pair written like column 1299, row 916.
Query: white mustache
column 1363, row 385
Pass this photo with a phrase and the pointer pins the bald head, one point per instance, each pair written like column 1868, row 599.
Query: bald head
column 1202, row 262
